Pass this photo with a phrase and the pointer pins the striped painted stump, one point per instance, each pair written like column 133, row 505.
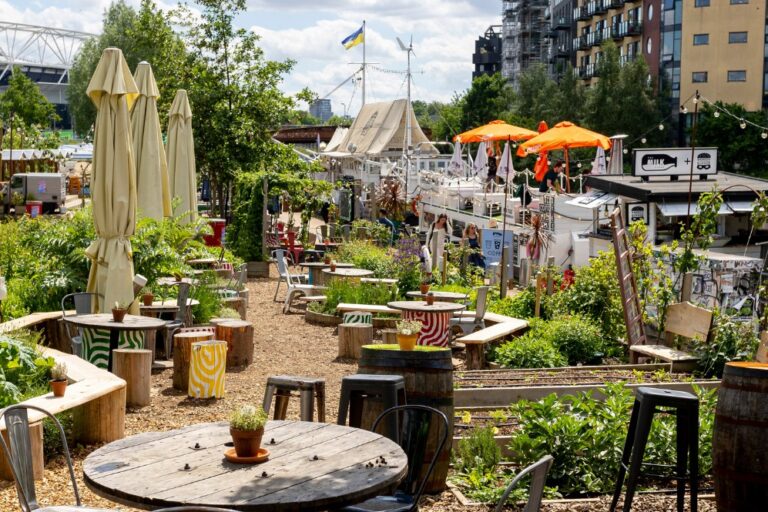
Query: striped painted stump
column 357, row 317
column 207, row 367
column 434, row 329
column 96, row 344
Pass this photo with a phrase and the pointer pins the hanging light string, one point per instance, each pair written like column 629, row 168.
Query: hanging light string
column 743, row 122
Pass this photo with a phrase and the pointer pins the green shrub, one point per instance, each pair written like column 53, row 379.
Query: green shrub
column 364, row 254
column 519, row 306
column 529, row 351
column 732, row 341
column 478, row 449
column 586, row 437
column 24, row 372
column 576, row 337
column 345, row 291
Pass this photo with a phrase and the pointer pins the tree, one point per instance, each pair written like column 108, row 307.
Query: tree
column 741, row 150
column 24, row 99
column 146, row 35
column 336, row 120
column 535, row 95
column 234, row 91
column 568, row 101
column 487, row 99
column 603, row 104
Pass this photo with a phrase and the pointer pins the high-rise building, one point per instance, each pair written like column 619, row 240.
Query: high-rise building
column 321, row 109
column 487, row 56
column 562, row 34
column 525, row 29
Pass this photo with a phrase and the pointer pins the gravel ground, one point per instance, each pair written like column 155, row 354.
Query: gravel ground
column 285, row 344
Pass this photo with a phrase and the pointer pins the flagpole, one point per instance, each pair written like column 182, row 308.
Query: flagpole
column 364, row 42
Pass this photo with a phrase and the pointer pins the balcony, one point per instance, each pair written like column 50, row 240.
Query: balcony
column 626, row 59
column 561, row 23
column 581, row 14
column 586, row 72
column 626, row 29
column 582, row 42
column 616, row 4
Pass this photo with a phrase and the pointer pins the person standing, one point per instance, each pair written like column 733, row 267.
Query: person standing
column 551, row 180
column 438, row 232
column 471, row 239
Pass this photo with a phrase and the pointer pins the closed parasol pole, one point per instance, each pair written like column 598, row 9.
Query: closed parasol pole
column 507, row 162
column 567, row 172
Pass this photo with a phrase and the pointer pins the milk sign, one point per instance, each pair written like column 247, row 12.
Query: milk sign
column 675, row 162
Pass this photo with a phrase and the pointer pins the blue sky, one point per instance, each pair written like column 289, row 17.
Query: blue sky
column 310, row 31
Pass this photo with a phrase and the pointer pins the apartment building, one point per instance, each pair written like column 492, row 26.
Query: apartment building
column 525, row 36
column 487, row 56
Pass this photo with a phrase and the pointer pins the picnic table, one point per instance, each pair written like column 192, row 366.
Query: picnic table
column 438, row 295
column 316, row 268
column 435, row 319
column 311, row 466
column 105, row 321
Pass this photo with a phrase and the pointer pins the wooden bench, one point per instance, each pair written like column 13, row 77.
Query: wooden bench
column 681, row 361
column 368, row 308
column 96, row 396
column 311, row 298
column 477, row 341
column 49, row 321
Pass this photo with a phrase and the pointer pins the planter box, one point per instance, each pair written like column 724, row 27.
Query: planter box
column 258, row 269
column 321, row 319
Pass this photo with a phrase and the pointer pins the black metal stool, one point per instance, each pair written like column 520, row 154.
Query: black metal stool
column 354, row 389
column 686, row 406
column 281, row 386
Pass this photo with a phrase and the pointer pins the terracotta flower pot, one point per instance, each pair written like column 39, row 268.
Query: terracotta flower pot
column 58, row 387
column 430, row 299
column 424, row 288
column 118, row 314
column 333, row 267
column 247, row 442
column 147, row 299
column 407, row 341
column 327, row 261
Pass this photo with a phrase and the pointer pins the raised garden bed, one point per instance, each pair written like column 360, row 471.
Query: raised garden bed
column 498, row 388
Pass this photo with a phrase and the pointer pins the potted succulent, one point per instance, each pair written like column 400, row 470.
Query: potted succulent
column 408, row 334
column 246, row 426
column 59, row 379
column 118, row 312
column 147, row 298
column 430, row 298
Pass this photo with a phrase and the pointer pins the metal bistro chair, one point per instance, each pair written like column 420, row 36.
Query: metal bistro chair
column 413, row 435
column 279, row 256
column 468, row 324
column 19, row 456
column 179, row 320
column 538, row 471
column 296, row 288
column 235, row 285
column 83, row 302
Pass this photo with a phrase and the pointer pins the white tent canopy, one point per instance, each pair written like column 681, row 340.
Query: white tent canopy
column 336, row 139
column 379, row 130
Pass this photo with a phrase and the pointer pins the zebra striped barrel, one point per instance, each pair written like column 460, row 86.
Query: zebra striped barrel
column 96, row 344
column 207, row 367
column 357, row 317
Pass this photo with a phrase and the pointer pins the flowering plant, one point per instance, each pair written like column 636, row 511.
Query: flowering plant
column 409, row 327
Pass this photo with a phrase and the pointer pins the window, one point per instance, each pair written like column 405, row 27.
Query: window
column 703, row 3
column 699, row 77
column 649, row 46
column 736, row 2
column 737, row 76
column 737, row 37
column 700, row 39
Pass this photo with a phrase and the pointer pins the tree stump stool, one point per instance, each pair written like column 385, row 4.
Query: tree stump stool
column 37, row 456
column 182, row 349
column 207, row 367
column 389, row 336
column 357, row 317
column 239, row 337
column 352, row 337
column 134, row 366
column 236, row 303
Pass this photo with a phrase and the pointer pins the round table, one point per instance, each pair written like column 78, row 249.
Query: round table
column 435, row 319
column 316, row 268
column 172, row 281
column 312, row 466
column 438, row 295
column 202, row 262
column 353, row 274
column 105, row 321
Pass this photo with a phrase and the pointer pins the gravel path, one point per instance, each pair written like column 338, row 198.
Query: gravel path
column 285, row 344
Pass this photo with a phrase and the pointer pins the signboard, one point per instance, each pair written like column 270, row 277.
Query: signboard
column 492, row 244
column 674, row 162
column 637, row 211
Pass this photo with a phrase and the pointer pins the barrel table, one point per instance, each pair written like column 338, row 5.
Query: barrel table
column 740, row 438
column 428, row 374
column 435, row 319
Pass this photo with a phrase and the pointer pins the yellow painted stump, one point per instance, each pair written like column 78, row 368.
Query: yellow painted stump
column 207, row 367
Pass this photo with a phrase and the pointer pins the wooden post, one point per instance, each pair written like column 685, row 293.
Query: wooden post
column 550, row 284
column 762, row 349
column 239, row 337
column 352, row 337
column 475, row 356
column 539, row 287
column 687, row 288
column 36, row 440
column 101, row 420
column 444, row 270
column 134, row 366
column 182, row 346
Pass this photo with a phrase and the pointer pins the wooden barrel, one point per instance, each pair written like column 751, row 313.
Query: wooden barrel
column 740, row 438
column 428, row 374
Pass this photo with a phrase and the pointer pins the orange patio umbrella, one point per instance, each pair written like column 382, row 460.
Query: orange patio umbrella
column 495, row 130
column 564, row 135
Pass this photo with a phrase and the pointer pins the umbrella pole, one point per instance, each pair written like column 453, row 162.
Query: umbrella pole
column 567, row 173
column 503, row 268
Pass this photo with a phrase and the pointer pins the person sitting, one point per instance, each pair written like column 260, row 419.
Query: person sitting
column 551, row 180
column 383, row 219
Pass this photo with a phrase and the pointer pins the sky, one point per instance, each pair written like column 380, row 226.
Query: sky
column 310, row 33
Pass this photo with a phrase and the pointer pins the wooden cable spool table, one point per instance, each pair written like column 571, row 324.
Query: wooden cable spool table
column 311, row 466
column 352, row 274
column 438, row 295
column 316, row 268
column 435, row 319
column 105, row 321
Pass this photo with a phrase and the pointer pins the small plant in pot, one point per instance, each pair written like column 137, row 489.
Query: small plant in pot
column 430, row 298
column 327, row 259
column 408, row 334
column 333, row 265
column 424, row 287
column 59, row 379
column 246, row 426
column 119, row 311
column 147, row 298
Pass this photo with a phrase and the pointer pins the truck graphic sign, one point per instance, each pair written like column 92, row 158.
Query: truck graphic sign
column 674, row 162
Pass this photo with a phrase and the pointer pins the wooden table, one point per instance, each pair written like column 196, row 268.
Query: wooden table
column 316, row 268
column 105, row 321
column 172, row 281
column 312, row 466
column 353, row 274
column 435, row 319
column 439, row 296
column 202, row 262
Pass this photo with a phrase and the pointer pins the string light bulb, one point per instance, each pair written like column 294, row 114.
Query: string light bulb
column 764, row 134
column 742, row 124
column 717, row 113
column 643, row 140
column 695, row 100
column 683, row 109
column 578, row 165
column 626, row 151
column 661, row 127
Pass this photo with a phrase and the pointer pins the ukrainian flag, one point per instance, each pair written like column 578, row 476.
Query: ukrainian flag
column 354, row 39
